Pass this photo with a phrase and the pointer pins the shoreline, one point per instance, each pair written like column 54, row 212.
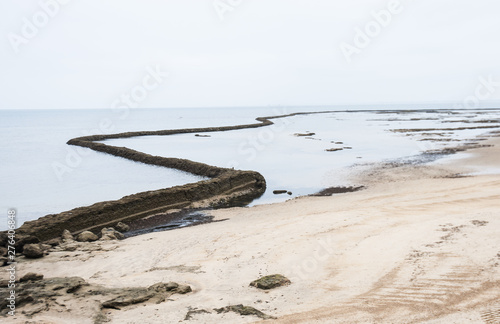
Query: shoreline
column 226, row 187
column 418, row 243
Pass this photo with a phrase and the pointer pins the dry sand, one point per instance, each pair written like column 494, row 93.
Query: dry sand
column 419, row 245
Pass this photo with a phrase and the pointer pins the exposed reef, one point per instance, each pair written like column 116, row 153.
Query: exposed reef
column 225, row 187
column 233, row 187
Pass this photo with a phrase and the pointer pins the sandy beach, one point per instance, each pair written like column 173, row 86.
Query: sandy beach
column 420, row 244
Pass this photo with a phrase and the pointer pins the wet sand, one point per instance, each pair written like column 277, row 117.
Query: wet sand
column 420, row 244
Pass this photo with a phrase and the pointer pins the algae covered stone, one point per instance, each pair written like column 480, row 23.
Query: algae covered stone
column 270, row 282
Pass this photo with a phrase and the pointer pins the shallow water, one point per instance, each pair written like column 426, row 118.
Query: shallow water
column 42, row 175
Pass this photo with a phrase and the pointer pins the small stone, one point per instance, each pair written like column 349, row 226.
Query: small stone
column 121, row 227
column 32, row 251
column 31, row 276
column 87, row 236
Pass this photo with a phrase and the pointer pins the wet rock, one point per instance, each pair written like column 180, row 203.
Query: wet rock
column 3, row 251
column 108, row 234
column 334, row 149
column 279, row 192
column 122, row 227
column 31, row 276
column 289, row 193
column 33, row 251
column 270, row 282
column 67, row 236
column 198, row 135
column 86, row 236
column 243, row 310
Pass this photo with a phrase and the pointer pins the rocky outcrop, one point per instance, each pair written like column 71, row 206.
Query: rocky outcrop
column 33, row 291
column 244, row 185
column 270, row 282
column 232, row 186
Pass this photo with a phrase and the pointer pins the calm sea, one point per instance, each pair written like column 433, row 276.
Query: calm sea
column 41, row 175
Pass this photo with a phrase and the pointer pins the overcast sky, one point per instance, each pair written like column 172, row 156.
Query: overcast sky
column 90, row 53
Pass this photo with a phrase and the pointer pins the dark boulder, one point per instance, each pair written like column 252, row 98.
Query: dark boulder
column 33, row 251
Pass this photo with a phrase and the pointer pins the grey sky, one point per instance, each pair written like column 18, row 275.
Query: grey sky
column 263, row 52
